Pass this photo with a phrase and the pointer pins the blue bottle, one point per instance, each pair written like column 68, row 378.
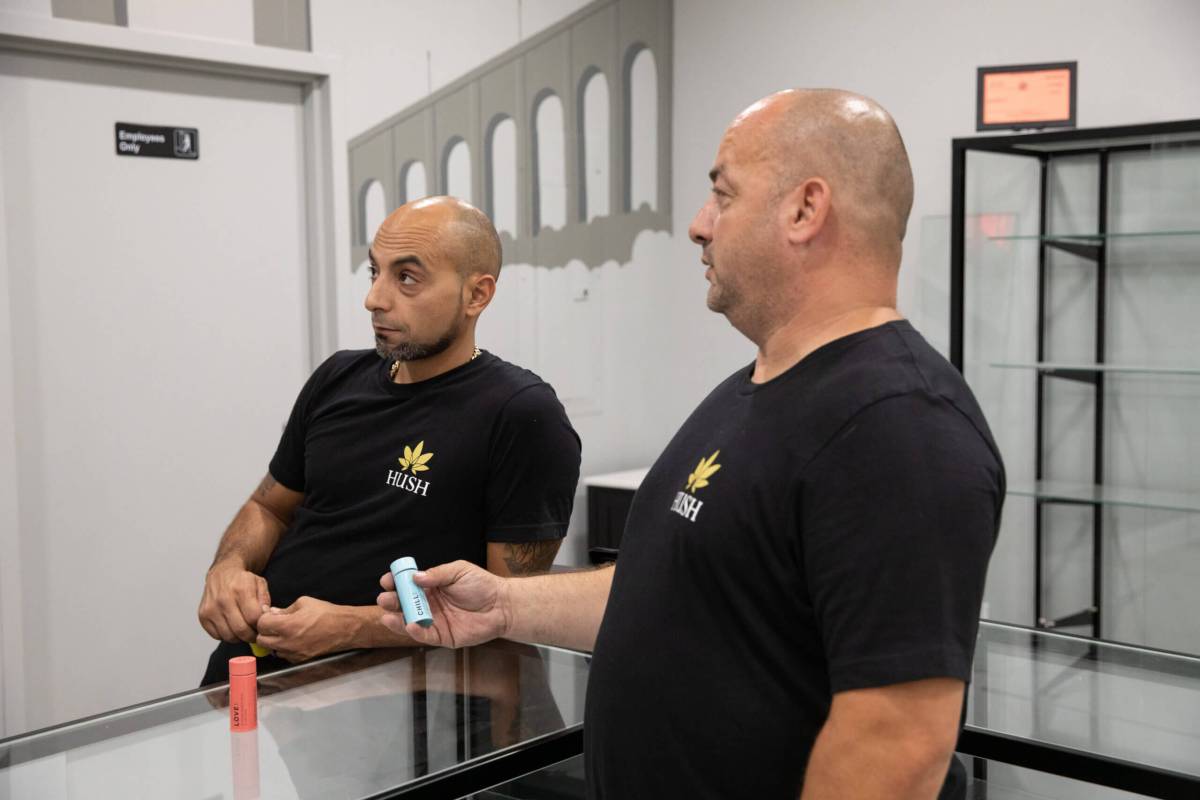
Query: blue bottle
column 412, row 598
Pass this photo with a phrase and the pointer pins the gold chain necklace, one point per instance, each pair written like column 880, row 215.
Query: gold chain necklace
column 396, row 364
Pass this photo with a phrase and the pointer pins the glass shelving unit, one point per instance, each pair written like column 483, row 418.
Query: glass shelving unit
column 1122, row 221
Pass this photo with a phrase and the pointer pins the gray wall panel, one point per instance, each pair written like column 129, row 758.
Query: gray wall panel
column 603, row 35
column 282, row 23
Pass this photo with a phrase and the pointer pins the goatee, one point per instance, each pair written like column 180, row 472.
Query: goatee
column 413, row 351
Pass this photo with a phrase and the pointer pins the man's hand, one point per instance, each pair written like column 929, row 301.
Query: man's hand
column 234, row 595
column 233, row 601
column 306, row 629
column 469, row 606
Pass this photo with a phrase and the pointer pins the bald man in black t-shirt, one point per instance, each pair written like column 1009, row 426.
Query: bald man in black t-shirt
column 794, row 608
column 425, row 447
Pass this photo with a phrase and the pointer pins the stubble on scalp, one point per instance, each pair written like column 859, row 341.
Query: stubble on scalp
column 468, row 239
column 853, row 143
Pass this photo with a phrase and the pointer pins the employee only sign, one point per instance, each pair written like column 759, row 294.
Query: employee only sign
column 157, row 141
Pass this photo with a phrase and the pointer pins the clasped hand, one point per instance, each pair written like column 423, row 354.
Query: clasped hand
column 236, row 607
column 306, row 629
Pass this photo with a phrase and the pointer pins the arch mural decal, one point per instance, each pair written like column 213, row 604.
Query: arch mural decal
column 601, row 37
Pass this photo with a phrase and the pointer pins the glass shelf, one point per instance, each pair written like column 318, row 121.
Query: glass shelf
column 1056, row 366
column 1091, row 237
column 1071, row 142
column 1102, row 494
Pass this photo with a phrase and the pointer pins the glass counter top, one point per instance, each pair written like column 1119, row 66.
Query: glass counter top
column 439, row 723
column 1108, row 495
column 383, row 723
column 1092, row 368
column 1092, row 710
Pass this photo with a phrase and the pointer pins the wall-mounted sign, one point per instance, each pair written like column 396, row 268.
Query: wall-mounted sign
column 1026, row 96
column 157, row 141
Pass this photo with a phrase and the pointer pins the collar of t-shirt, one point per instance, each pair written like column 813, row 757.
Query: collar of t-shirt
column 448, row 378
column 818, row 358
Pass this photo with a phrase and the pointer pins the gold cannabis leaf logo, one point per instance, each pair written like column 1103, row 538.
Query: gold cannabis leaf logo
column 704, row 470
column 414, row 459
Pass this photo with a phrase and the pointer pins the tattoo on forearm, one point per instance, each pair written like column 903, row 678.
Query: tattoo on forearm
column 526, row 558
column 264, row 488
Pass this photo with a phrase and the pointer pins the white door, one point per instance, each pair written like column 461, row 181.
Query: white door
column 158, row 335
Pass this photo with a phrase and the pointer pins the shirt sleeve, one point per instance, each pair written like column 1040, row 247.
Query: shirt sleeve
column 899, row 516
column 287, row 465
column 533, row 469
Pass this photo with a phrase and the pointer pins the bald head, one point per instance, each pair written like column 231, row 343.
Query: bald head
column 461, row 232
column 851, row 142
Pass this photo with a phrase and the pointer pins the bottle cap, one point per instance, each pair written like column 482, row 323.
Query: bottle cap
column 402, row 564
column 243, row 665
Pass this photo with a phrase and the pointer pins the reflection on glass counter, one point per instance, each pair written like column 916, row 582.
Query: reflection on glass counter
column 376, row 723
column 440, row 723
column 1127, row 717
column 565, row 780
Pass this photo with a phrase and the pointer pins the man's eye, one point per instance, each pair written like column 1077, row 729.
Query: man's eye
column 373, row 273
column 407, row 278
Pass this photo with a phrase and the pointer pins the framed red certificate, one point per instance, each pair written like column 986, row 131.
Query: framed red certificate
column 1026, row 96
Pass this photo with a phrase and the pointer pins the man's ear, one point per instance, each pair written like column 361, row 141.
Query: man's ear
column 807, row 209
column 479, row 289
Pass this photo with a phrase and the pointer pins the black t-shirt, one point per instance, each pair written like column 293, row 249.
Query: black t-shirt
column 434, row 470
column 827, row 530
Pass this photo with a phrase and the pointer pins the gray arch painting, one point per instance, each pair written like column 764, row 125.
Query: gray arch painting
column 604, row 36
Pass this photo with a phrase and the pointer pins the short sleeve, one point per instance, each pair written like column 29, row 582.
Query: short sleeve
column 899, row 514
column 533, row 469
column 287, row 465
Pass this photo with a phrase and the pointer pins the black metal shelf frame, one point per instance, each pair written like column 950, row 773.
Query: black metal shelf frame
column 1045, row 147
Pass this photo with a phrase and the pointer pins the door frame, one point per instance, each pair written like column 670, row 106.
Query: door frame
column 68, row 39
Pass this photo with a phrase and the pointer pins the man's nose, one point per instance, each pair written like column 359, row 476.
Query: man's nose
column 375, row 299
column 700, row 231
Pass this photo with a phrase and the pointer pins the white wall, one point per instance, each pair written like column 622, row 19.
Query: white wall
column 119, row 433
column 1136, row 64
column 12, row 663
column 228, row 20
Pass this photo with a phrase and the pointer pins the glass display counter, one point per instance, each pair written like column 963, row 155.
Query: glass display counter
column 506, row 721
column 1109, row 714
column 410, row 723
